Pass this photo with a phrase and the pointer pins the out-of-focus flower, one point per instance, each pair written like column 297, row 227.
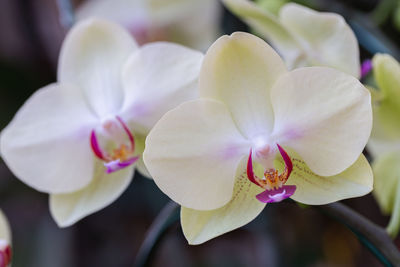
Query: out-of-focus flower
column 303, row 36
column 366, row 68
column 190, row 22
column 5, row 241
column 384, row 144
column 208, row 154
column 271, row 6
column 80, row 138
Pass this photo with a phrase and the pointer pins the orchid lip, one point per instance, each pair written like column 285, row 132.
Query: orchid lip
column 117, row 165
column 121, row 157
column 5, row 253
column 273, row 183
column 276, row 195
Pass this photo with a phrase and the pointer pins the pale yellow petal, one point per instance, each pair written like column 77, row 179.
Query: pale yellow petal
column 46, row 145
column 156, row 78
column 5, row 232
column 387, row 109
column 91, row 57
column 192, row 154
column 323, row 114
column 326, row 37
column 313, row 189
column 387, row 176
column 239, row 70
column 104, row 189
column 201, row 226
column 269, row 27
column 387, row 76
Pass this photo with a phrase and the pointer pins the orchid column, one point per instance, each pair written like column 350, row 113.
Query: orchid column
column 259, row 130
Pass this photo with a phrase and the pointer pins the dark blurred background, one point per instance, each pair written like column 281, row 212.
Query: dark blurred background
column 283, row 235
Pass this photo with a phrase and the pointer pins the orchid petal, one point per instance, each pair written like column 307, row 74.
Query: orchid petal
column 126, row 12
column 240, row 70
column 104, row 189
column 189, row 22
column 387, row 188
column 5, row 241
column 201, row 226
column 139, row 165
column 386, row 117
column 313, row 189
column 268, row 26
column 92, row 57
column 47, row 145
column 387, row 177
column 379, row 147
column 387, row 110
column 5, row 233
column 387, row 76
column 324, row 115
column 331, row 42
column 157, row 78
column 192, row 153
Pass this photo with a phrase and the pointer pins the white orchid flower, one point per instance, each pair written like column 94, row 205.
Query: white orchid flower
column 190, row 22
column 5, row 241
column 81, row 138
column 303, row 36
column 215, row 155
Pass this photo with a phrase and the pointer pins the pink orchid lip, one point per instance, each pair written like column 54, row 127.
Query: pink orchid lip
column 111, row 163
column 117, row 165
column 277, row 193
column 5, row 255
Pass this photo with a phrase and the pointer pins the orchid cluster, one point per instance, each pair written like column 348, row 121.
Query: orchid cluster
column 223, row 134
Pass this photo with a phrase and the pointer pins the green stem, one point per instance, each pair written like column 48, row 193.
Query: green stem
column 394, row 223
column 371, row 235
column 168, row 216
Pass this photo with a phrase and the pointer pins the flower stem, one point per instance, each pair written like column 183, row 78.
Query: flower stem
column 66, row 13
column 394, row 223
column 371, row 235
column 168, row 216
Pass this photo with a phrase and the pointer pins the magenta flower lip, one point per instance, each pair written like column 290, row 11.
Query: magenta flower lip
column 276, row 195
column 117, row 165
column 5, row 256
